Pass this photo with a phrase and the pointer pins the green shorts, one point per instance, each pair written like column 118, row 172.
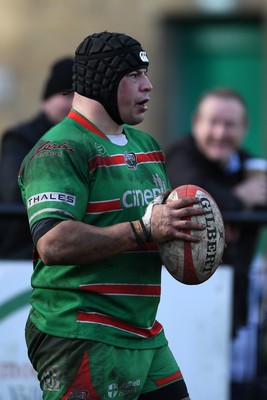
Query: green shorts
column 72, row 369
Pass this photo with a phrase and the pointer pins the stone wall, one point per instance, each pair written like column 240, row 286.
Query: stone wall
column 35, row 32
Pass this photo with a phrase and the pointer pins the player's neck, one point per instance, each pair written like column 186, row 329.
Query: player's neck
column 96, row 113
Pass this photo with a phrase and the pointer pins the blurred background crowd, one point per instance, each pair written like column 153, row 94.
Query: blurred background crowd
column 194, row 46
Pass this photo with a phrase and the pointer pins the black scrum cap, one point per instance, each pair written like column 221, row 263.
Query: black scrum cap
column 101, row 60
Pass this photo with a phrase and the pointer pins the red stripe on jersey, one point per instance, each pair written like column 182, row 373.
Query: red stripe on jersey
column 85, row 123
column 119, row 159
column 153, row 156
column 123, row 289
column 99, row 161
column 169, row 379
column 95, row 207
column 101, row 319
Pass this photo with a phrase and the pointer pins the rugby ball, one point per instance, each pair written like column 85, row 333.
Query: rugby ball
column 192, row 263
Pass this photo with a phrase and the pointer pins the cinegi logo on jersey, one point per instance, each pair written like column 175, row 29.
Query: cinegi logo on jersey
column 138, row 198
column 51, row 196
column 130, row 160
column 159, row 182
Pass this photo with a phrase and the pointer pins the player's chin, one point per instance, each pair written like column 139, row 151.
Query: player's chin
column 136, row 119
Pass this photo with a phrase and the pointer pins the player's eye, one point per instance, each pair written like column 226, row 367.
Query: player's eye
column 133, row 74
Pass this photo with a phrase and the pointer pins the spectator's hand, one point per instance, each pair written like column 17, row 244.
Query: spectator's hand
column 253, row 191
column 172, row 220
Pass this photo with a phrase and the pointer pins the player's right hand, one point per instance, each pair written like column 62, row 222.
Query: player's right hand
column 172, row 220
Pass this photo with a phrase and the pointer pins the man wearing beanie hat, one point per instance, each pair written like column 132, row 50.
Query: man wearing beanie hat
column 94, row 187
column 15, row 237
column 60, row 78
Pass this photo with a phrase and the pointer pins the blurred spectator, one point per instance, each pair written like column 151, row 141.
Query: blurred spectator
column 212, row 158
column 15, row 238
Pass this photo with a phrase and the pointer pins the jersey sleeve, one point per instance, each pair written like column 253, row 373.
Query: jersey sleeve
column 54, row 181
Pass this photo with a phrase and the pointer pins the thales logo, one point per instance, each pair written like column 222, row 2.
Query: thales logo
column 52, row 196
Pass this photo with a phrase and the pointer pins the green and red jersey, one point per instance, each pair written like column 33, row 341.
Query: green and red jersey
column 75, row 172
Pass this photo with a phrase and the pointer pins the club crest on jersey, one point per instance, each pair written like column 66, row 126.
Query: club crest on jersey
column 130, row 160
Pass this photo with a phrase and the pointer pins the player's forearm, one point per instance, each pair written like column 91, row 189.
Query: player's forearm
column 72, row 242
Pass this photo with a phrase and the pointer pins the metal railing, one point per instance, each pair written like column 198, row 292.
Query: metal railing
column 11, row 210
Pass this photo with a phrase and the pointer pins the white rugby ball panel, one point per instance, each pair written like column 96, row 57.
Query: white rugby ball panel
column 193, row 263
